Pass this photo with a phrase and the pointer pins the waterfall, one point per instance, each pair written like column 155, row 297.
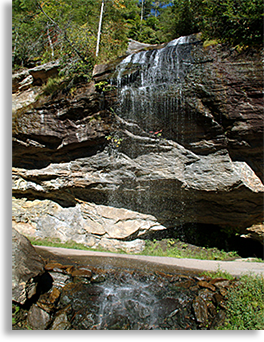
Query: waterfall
column 150, row 87
column 151, row 96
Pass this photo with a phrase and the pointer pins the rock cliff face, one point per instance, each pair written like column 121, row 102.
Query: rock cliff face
column 111, row 162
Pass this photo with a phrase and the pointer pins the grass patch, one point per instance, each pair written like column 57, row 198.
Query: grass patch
column 56, row 242
column 244, row 301
column 166, row 247
column 245, row 304
column 210, row 42
column 53, row 84
column 178, row 249
column 218, row 274
column 70, row 244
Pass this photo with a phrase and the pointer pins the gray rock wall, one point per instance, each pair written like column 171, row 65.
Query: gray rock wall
column 79, row 156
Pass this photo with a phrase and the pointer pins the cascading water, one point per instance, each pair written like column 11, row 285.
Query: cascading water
column 131, row 302
column 150, row 88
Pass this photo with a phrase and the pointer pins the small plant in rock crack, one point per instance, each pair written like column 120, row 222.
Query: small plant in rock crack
column 156, row 134
column 104, row 86
column 114, row 140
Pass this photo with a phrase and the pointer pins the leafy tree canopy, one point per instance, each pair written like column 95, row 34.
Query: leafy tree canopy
column 45, row 30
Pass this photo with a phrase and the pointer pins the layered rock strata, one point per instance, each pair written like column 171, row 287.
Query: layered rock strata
column 80, row 154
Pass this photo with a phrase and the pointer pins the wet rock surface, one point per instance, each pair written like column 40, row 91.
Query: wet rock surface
column 177, row 134
column 105, row 298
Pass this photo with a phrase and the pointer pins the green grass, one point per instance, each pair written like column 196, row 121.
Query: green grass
column 177, row 249
column 218, row 274
column 210, row 42
column 166, row 247
column 55, row 242
column 245, row 304
column 244, row 301
column 53, row 84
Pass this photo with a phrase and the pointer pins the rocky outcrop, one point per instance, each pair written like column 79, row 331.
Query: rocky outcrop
column 87, row 223
column 135, row 46
column 255, row 232
column 26, row 85
column 62, row 129
column 188, row 153
column 169, row 182
column 35, row 76
column 27, row 267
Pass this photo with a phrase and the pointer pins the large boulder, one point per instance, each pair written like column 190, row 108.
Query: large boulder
column 27, row 267
column 87, row 223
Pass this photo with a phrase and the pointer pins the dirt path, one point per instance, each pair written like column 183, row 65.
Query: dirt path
column 165, row 264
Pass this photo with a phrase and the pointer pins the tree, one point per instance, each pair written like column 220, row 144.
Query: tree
column 99, row 28
column 233, row 21
column 44, row 30
column 180, row 18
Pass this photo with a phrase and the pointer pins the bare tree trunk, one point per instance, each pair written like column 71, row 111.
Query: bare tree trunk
column 64, row 35
column 15, row 45
column 50, row 42
column 99, row 29
column 142, row 9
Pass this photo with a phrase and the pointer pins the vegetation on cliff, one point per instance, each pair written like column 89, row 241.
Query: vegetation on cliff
column 52, row 29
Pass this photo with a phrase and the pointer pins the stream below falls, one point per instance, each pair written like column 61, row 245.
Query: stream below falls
column 72, row 296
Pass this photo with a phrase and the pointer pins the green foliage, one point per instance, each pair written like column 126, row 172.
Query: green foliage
column 52, row 85
column 114, row 140
column 245, row 304
column 100, row 86
column 233, row 21
column 237, row 22
column 15, row 311
column 51, row 29
column 67, row 30
column 180, row 19
column 104, row 86
column 146, row 31
column 218, row 274
column 56, row 242
column 177, row 249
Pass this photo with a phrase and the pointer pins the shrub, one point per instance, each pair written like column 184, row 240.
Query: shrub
column 245, row 304
column 52, row 85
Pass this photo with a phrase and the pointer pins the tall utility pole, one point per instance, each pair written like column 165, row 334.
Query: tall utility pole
column 99, row 28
